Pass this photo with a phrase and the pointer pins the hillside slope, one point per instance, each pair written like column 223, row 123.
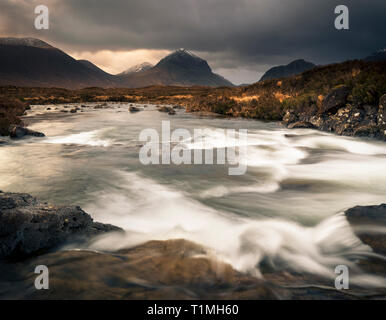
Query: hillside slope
column 291, row 69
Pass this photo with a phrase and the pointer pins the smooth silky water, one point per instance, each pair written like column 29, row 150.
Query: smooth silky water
column 286, row 209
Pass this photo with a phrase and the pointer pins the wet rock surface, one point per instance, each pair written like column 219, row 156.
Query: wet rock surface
column 29, row 226
column 172, row 269
column 369, row 224
column 134, row 109
column 17, row 132
column 165, row 109
column 338, row 116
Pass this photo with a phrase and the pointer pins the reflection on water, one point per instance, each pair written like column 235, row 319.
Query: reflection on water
column 284, row 209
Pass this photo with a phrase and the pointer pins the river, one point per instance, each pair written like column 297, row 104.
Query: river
column 286, row 209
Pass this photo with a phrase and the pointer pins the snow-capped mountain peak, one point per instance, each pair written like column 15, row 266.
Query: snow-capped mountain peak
column 138, row 68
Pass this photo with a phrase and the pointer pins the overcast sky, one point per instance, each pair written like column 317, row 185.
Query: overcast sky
column 240, row 39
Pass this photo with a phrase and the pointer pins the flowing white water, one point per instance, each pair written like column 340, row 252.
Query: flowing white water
column 155, row 212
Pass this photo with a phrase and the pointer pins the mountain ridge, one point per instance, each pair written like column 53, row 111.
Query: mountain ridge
column 33, row 62
column 293, row 68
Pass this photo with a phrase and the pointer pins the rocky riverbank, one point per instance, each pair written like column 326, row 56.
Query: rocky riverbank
column 31, row 230
column 338, row 116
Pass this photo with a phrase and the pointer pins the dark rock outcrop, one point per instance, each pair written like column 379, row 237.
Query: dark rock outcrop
column 338, row 116
column 382, row 111
column 28, row 225
column 301, row 125
column 336, row 99
column 368, row 223
column 19, row 132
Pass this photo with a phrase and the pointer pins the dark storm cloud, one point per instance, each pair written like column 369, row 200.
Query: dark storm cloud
column 230, row 33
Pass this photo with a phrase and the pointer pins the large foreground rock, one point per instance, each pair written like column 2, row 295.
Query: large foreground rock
column 172, row 269
column 29, row 226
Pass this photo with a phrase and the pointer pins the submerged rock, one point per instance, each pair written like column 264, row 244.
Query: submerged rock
column 28, row 225
column 20, row 132
column 134, row 109
column 368, row 223
column 164, row 109
column 301, row 125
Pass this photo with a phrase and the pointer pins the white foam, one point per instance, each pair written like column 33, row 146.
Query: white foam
column 90, row 138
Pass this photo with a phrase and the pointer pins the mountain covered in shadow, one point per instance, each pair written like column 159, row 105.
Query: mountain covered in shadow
column 291, row 69
column 34, row 63
column 178, row 68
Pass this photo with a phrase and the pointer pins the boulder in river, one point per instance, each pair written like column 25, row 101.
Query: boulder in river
column 29, row 226
column 19, row 132
column 369, row 224
column 164, row 109
column 134, row 109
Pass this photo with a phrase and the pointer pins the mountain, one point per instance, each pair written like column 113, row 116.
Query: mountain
column 32, row 62
column 93, row 67
column 180, row 68
column 378, row 56
column 291, row 69
column 138, row 68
